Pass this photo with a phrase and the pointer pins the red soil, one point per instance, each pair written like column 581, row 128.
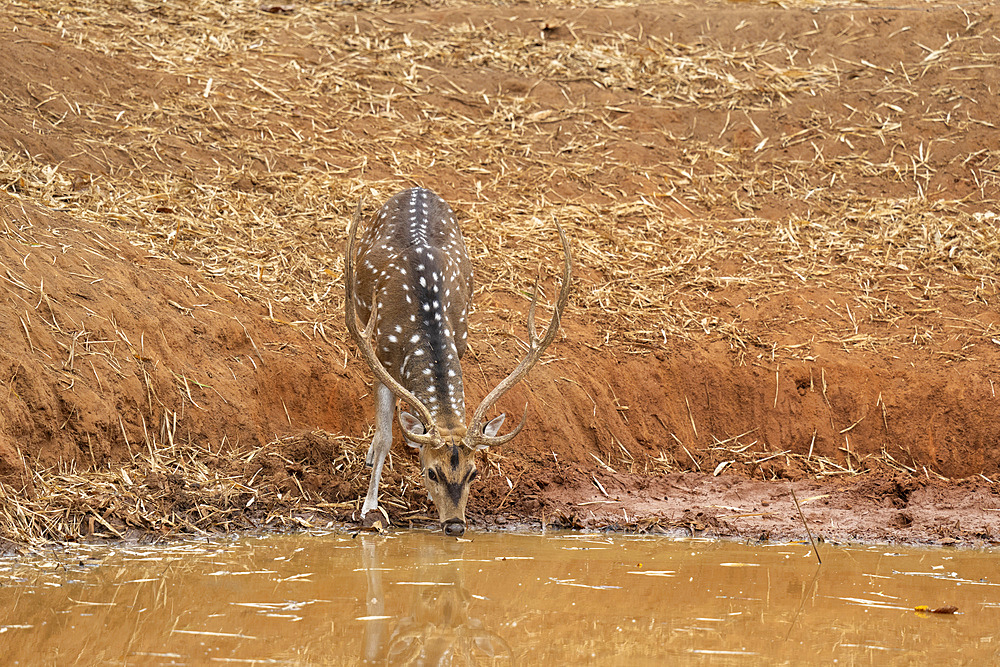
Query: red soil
column 105, row 342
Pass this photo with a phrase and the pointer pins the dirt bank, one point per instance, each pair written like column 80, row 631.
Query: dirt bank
column 784, row 223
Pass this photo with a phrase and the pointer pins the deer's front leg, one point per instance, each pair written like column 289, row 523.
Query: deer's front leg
column 385, row 405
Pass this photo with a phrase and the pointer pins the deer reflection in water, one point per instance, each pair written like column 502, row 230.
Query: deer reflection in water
column 439, row 629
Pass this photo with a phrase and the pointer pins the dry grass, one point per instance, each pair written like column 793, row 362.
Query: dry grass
column 169, row 489
column 289, row 119
column 279, row 118
column 747, row 456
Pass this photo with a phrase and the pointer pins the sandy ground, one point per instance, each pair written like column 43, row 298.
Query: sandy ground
column 784, row 226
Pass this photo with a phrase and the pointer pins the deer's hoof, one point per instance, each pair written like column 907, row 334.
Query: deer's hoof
column 375, row 521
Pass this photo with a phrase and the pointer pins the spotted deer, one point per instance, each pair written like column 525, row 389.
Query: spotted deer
column 410, row 279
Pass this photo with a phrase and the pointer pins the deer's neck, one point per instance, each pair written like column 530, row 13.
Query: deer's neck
column 417, row 345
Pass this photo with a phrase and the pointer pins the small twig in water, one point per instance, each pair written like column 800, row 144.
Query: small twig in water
column 808, row 532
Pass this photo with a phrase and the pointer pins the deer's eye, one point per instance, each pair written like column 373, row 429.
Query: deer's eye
column 473, row 474
column 433, row 475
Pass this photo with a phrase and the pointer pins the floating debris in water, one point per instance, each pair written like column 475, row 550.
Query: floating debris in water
column 924, row 609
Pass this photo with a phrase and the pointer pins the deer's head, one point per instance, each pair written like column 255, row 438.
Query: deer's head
column 448, row 465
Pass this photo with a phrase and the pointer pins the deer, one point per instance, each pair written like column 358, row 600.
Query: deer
column 410, row 280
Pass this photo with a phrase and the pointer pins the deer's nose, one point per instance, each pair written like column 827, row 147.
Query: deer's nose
column 454, row 528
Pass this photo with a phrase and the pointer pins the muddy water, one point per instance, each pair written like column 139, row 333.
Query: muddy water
column 420, row 598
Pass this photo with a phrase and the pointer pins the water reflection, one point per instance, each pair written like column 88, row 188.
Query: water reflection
column 439, row 628
column 420, row 598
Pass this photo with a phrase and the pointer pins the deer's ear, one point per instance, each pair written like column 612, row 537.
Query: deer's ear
column 491, row 429
column 493, row 426
column 411, row 424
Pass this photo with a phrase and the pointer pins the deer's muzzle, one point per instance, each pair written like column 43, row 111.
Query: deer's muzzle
column 454, row 528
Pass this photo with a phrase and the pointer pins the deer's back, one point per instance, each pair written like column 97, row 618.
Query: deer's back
column 412, row 258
